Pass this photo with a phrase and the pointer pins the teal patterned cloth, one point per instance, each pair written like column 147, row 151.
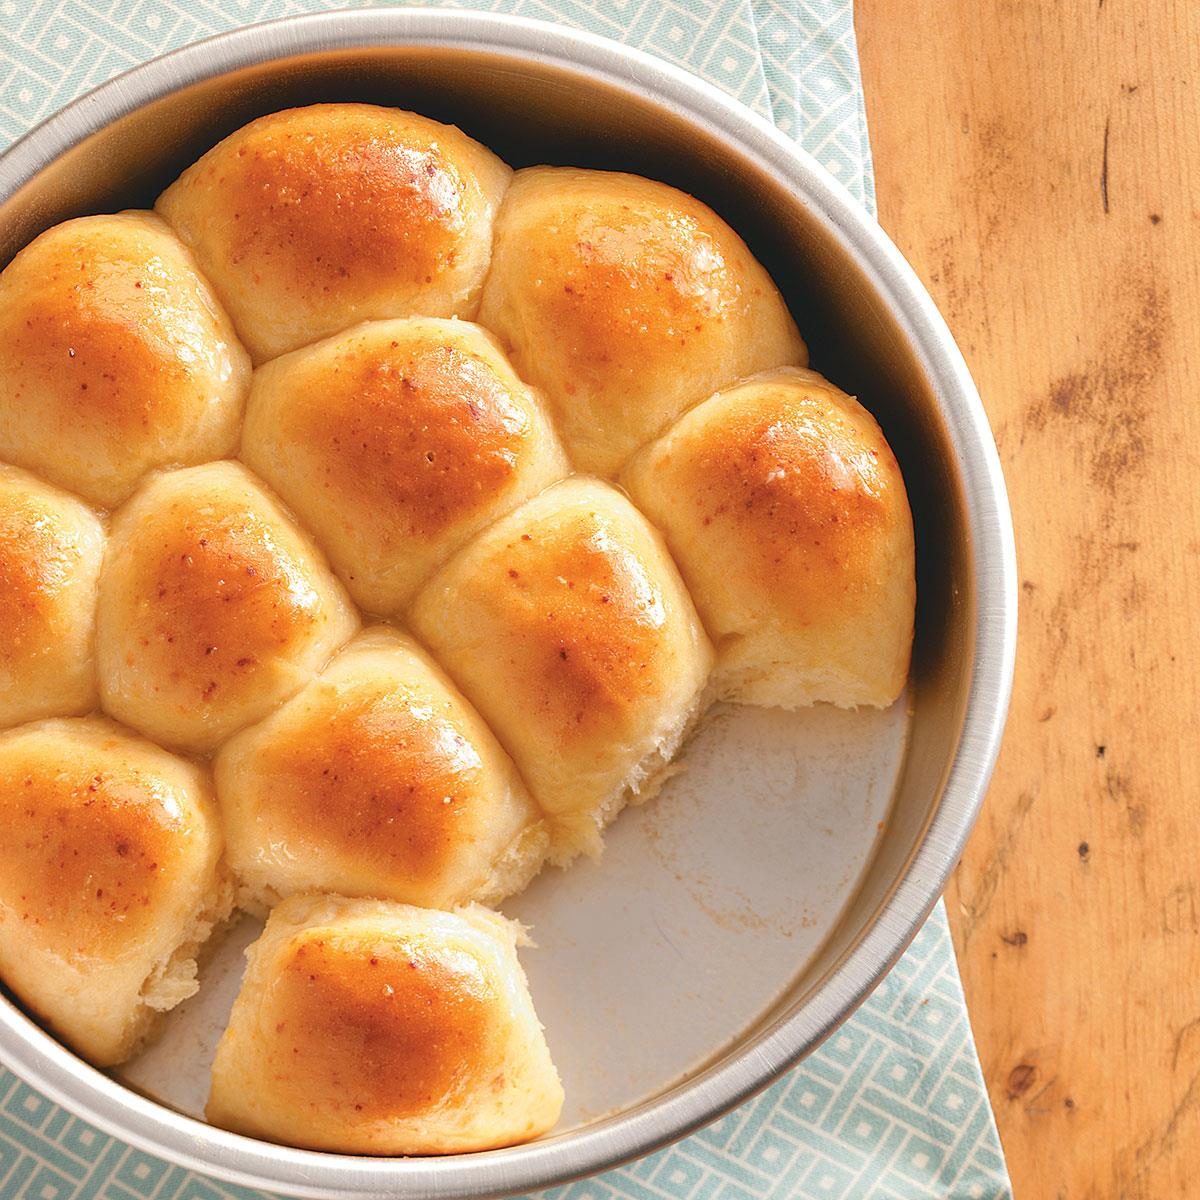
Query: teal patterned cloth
column 893, row 1106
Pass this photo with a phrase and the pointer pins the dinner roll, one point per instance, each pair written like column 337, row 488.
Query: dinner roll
column 51, row 546
column 567, row 625
column 784, row 507
column 110, row 880
column 115, row 357
column 377, row 779
column 395, row 442
column 625, row 301
column 368, row 1027
column 313, row 219
column 214, row 607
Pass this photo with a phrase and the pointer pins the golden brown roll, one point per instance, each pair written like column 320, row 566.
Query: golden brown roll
column 395, row 442
column 313, row 219
column 110, row 880
column 51, row 547
column 567, row 625
column 115, row 357
column 377, row 779
column 786, row 512
column 625, row 301
column 368, row 1027
column 214, row 607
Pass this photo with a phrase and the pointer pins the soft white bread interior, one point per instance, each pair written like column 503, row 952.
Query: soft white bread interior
column 368, row 1027
column 214, row 607
column 785, row 509
column 395, row 442
column 567, row 625
column 110, row 880
column 625, row 301
column 51, row 547
column 115, row 357
column 377, row 779
column 313, row 219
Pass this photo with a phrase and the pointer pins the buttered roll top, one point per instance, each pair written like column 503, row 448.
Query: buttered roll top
column 567, row 625
column 395, row 442
column 626, row 301
column 51, row 547
column 214, row 607
column 375, row 1028
column 785, row 509
column 312, row 219
column 109, row 879
column 377, row 779
column 115, row 357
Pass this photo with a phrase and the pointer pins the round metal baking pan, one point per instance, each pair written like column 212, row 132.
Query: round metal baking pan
column 537, row 92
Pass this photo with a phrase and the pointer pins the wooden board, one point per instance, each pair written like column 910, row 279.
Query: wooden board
column 1039, row 165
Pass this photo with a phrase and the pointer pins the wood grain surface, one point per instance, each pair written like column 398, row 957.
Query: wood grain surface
column 1039, row 163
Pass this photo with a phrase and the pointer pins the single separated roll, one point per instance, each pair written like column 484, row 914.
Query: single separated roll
column 626, row 301
column 115, row 357
column 110, row 880
column 395, row 442
column 214, row 607
column 374, row 1028
column 313, row 219
column 51, row 547
column 785, row 509
column 377, row 779
column 567, row 625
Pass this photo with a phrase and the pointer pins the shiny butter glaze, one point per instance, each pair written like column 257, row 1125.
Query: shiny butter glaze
column 114, row 357
column 802, row 494
column 370, row 1027
column 380, row 778
column 45, row 545
column 322, row 207
column 784, row 506
column 638, row 301
column 89, row 847
column 377, row 779
column 582, row 624
column 568, row 627
column 312, row 218
column 50, row 551
column 109, row 867
column 225, row 597
column 429, row 438
column 213, row 607
column 395, row 442
column 381, row 1028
